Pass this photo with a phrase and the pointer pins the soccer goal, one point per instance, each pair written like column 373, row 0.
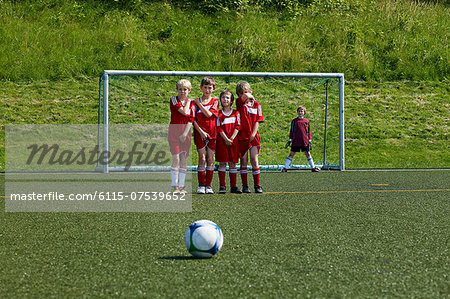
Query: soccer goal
column 142, row 97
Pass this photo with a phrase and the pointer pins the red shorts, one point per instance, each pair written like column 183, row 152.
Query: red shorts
column 226, row 154
column 210, row 143
column 245, row 145
column 176, row 147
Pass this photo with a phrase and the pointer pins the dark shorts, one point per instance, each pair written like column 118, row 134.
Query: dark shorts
column 297, row 149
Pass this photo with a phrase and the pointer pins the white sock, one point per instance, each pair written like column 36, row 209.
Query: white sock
column 181, row 177
column 311, row 162
column 174, row 176
column 288, row 162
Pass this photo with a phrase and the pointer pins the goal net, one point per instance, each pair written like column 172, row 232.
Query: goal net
column 142, row 97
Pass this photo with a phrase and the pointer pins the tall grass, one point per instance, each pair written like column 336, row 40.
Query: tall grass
column 367, row 40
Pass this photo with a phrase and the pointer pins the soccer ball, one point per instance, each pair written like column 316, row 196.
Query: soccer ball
column 203, row 238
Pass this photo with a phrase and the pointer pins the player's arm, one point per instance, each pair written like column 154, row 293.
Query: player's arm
column 233, row 136
column 205, row 111
column 202, row 133
column 309, row 137
column 186, row 131
column 259, row 119
column 227, row 140
column 291, row 135
column 254, row 131
column 185, row 110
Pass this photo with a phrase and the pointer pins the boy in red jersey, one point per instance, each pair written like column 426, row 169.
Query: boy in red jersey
column 181, row 118
column 300, row 137
column 205, row 133
column 249, row 140
column 228, row 125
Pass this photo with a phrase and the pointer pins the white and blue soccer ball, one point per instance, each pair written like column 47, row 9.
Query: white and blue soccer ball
column 203, row 238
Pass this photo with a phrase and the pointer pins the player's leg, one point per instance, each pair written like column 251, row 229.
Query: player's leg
column 209, row 170
column 233, row 178
column 174, row 170
column 201, row 169
column 182, row 170
column 310, row 161
column 243, row 171
column 244, row 146
column 222, row 172
column 288, row 161
column 254, row 153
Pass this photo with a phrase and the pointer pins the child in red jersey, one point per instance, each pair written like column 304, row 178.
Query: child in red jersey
column 205, row 133
column 249, row 140
column 300, row 138
column 181, row 118
column 228, row 125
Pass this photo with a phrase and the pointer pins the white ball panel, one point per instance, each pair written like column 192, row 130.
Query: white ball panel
column 204, row 237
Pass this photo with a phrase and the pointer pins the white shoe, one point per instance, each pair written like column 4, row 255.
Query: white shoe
column 209, row 190
column 201, row 190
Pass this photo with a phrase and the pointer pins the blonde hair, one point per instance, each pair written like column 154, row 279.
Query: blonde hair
column 301, row 107
column 184, row 83
column 243, row 87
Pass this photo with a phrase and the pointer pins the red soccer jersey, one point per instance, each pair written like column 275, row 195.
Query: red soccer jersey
column 178, row 118
column 228, row 123
column 208, row 124
column 300, row 132
column 250, row 114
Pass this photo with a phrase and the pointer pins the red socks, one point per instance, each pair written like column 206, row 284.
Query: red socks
column 256, row 173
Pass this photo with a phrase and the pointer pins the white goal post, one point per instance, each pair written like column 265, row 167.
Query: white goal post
column 104, row 107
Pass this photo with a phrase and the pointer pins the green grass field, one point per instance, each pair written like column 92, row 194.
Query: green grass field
column 357, row 234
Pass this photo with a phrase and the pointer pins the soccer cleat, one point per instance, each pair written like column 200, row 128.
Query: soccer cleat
column 209, row 190
column 222, row 190
column 201, row 190
column 258, row 189
column 245, row 189
column 174, row 189
column 181, row 190
column 236, row 190
column 315, row 169
column 284, row 170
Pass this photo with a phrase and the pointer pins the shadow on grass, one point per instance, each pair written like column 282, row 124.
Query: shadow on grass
column 178, row 258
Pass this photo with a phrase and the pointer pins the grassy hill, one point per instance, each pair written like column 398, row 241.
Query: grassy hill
column 389, row 124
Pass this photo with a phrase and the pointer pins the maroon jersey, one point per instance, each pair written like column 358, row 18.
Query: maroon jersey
column 208, row 124
column 300, row 132
column 250, row 114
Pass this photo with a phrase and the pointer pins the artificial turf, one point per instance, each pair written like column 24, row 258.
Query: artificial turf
column 329, row 234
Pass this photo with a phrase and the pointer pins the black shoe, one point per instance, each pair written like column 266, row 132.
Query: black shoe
column 315, row 169
column 222, row 190
column 284, row 170
column 235, row 189
column 245, row 189
column 258, row 189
